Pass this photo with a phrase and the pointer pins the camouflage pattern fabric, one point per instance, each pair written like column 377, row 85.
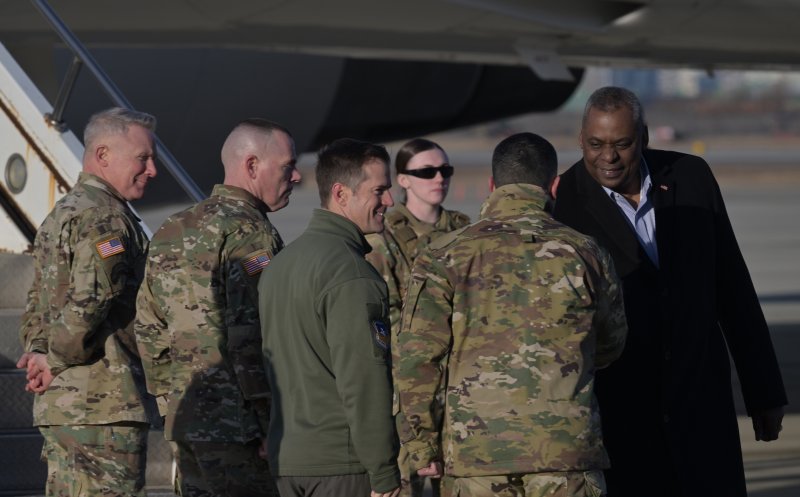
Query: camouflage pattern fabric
column 411, row 484
column 522, row 310
column 208, row 469
column 403, row 238
column 570, row 484
column 393, row 254
column 89, row 259
column 197, row 318
column 95, row 460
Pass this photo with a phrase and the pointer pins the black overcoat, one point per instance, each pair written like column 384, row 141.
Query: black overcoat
column 668, row 417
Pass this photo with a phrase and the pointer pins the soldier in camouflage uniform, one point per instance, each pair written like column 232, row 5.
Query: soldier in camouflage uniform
column 523, row 310
column 197, row 322
column 423, row 171
column 77, row 330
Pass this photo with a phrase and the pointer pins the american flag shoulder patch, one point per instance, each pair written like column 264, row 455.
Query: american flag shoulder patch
column 254, row 264
column 112, row 246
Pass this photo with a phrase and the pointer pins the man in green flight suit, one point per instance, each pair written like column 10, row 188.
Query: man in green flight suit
column 325, row 329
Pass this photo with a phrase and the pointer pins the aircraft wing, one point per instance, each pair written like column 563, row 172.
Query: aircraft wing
column 378, row 70
column 547, row 35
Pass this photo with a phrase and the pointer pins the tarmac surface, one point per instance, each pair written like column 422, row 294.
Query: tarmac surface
column 760, row 184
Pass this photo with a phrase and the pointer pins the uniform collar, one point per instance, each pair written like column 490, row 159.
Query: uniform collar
column 236, row 193
column 421, row 226
column 329, row 223
column 513, row 200
column 89, row 179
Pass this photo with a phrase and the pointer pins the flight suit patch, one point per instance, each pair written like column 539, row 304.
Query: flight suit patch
column 381, row 335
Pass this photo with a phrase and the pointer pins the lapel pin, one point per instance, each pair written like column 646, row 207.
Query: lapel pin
column 664, row 187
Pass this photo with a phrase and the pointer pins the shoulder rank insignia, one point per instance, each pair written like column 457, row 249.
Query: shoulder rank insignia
column 253, row 265
column 112, row 246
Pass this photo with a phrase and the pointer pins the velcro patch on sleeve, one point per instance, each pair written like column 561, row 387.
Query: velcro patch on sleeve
column 112, row 246
column 256, row 263
column 381, row 334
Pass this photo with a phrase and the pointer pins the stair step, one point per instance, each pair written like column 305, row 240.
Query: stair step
column 10, row 347
column 17, row 411
column 17, row 271
column 21, row 467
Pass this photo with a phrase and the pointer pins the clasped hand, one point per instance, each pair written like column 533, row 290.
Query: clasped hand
column 38, row 371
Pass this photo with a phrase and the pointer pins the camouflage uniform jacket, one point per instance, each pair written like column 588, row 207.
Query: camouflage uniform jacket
column 526, row 309
column 197, row 318
column 394, row 250
column 89, row 257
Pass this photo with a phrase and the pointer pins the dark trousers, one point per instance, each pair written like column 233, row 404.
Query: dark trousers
column 324, row 486
column 209, row 469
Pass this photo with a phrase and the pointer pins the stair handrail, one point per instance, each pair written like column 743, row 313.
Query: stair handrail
column 79, row 50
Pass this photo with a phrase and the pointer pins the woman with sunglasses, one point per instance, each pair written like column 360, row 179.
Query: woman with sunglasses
column 423, row 171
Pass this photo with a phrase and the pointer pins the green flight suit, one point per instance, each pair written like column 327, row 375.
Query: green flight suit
column 324, row 322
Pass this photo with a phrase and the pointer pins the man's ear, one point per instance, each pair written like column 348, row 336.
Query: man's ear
column 554, row 186
column 645, row 137
column 492, row 186
column 101, row 155
column 340, row 194
column 251, row 164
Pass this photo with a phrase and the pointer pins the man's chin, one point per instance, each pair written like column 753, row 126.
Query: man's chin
column 134, row 193
column 138, row 190
column 278, row 206
column 610, row 183
column 378, row 228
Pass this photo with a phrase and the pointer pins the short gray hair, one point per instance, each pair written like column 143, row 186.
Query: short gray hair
column 610, row 98
column 115, row 121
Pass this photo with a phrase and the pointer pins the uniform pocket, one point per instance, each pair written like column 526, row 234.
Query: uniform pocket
column 595, row 483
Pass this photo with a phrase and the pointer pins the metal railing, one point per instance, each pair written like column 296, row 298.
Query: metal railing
column 83, row 57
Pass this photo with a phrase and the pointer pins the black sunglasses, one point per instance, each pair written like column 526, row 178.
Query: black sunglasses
column 429, row 172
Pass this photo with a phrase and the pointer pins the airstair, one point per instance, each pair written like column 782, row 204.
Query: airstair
column 41, row 160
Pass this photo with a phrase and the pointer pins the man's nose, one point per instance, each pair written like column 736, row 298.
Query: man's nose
column 151, row 168
column 609, row 153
